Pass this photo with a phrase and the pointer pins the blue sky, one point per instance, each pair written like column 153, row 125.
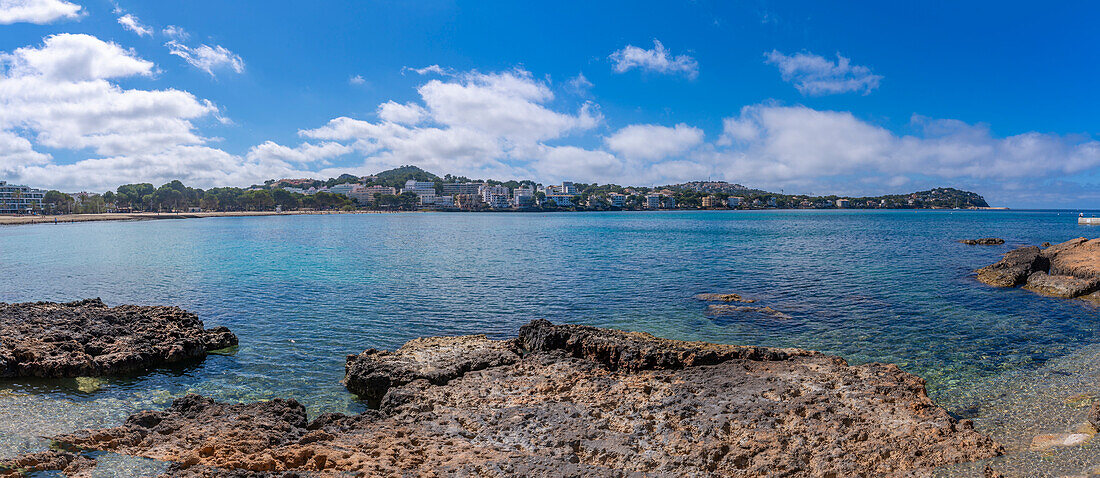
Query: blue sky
column 860, row 98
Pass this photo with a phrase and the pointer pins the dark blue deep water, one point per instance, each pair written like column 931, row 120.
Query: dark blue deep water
column 302, row 292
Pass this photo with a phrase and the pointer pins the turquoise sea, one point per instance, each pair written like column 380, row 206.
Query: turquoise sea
column 302, row 292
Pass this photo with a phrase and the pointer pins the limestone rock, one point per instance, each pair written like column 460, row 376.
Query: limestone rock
column 435, row 359
column 1014, row 268
column 987, row 241
column 1064, row 286
column 87, row 338
column 570, row 400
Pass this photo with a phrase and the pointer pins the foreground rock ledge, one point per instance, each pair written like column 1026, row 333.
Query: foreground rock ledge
column 566, row 400
column 87, row 338
column 1070, row 269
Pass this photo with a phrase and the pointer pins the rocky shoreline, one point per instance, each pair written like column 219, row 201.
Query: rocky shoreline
column 567, row 400
column 1068, row 270
column 89, row 339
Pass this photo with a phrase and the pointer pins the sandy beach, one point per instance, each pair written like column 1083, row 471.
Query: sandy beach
column 148, row 216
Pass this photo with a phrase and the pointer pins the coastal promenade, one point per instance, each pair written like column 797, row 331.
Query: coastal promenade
column 8, row 220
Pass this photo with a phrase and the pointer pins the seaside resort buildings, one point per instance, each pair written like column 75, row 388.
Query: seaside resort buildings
column 19, row 199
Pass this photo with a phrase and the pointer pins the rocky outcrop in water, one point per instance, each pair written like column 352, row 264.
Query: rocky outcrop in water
column 1070, row 269
column 70, row 463
column 87, row 338
column 723, row 298
column 986, row 241
column 565, row 400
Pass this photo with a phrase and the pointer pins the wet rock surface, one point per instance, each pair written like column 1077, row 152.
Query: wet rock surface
column 435, row 359
column 1070, row 269
column 723, row 298
column 563, row 400
column 70, row 463
column 986, row 241
column 88, row 338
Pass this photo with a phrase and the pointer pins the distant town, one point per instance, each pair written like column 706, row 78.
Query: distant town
column 411, row 188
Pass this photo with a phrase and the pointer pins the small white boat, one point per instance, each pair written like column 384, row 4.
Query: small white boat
column 1088, row 221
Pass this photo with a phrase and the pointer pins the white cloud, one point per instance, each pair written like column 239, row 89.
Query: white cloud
column 650, row 142
column 131, row 23
column 508, row 105
column 474, row 124
column 357, row 80
column 794, row 145
column 815, row 75
column 580, row 84
column 175, row 33
column 431, row 69
column 270, row 151
column 408, row 113
column 75, row 57
column 207, row 58
column 37, row 11
column 59, row 95
column 658, row 60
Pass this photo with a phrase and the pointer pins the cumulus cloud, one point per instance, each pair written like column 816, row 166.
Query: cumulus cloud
column 357, row 80
column 408, row 113
column 207, row 58
column 60, row 95
column 657, row 60
column 644, row 141
column 37, row 11
column 74, row 57
column 270, row 151
column 816, row 75
column 131, row 23
column 472, row 123
column 773, row 145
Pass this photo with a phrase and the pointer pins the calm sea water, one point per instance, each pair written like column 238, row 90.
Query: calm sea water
column 302, row 292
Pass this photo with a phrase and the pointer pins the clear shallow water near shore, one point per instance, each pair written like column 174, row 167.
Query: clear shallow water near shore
column 302, row 292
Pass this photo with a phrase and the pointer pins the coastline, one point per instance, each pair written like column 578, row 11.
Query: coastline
column 152, row 216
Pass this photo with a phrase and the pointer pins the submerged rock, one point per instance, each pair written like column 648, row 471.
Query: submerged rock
column 87, row 338
column 1070, row 269
column 71, row 463
column 987, row 241
column 566, row 400
column 737, row 310
column 723, row 298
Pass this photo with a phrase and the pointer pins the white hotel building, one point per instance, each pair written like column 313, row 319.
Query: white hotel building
column 19, row 199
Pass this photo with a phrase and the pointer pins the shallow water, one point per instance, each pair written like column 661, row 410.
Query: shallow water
column 302, row 292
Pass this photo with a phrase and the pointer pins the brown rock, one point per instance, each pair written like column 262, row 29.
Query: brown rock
column 1061, row 285
column 1094, row 415
column 987, row 241
column 52, row 460
column 579, row 401
column 739, row 310
column 435, row 359
column 1078, row 257
column 723, row 298
column 87, row 338
column 1014, row 268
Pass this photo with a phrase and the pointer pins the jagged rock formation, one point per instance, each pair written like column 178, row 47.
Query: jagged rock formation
column 87, row 338
column 1070, row 269
column 986, row 241
column 565, row 400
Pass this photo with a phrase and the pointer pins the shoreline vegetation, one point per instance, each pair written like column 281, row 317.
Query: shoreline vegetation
column 153, row 216
column 410, row 188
